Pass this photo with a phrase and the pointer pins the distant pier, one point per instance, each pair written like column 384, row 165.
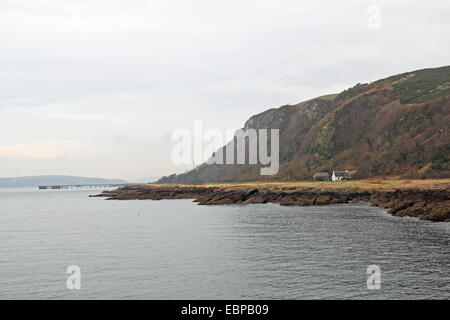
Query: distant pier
column 81, row 186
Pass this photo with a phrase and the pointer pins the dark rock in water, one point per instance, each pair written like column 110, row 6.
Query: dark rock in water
column 431, row 205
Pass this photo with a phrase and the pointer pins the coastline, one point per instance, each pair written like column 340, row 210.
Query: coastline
column 426, row 200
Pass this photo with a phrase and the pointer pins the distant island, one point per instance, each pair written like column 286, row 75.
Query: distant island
column 35, row 181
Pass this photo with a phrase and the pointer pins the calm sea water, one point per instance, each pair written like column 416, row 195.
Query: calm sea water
column 174, row 249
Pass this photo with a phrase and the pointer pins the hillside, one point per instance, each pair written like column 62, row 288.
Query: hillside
column 398, row 126
column 35, row 181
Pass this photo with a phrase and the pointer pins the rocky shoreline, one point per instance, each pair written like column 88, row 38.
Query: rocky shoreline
column 429, row 204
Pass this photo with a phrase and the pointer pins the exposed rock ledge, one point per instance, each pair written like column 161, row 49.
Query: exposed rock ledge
column 431, row 204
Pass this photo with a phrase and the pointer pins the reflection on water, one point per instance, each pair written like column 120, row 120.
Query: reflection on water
column 174, row 249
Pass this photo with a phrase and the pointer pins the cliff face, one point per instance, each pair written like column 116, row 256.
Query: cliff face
column 395, row 126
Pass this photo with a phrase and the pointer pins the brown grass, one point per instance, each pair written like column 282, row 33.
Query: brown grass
column 360, row 185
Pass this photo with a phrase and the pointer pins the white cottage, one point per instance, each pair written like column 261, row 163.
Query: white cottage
column 340, row 175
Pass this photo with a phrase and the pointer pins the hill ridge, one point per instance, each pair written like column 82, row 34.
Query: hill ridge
column 396, row 126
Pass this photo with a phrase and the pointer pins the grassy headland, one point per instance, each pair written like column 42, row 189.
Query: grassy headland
column 424, row 199
column 388, row 184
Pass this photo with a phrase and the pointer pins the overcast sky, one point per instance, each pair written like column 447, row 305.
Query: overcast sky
column 95, row 88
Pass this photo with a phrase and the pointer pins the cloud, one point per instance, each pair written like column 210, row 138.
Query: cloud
column 75, row 73
column 45, row 150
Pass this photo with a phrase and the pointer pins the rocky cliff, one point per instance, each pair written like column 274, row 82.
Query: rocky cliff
column 395, row 126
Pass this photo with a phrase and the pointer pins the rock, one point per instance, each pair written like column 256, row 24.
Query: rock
column 255, row 199
column 431, row 205
column 322, row 200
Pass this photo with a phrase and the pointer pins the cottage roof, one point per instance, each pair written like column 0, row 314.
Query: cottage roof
column 340, row 173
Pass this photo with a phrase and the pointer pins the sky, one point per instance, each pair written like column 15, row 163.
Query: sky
column 95, row 88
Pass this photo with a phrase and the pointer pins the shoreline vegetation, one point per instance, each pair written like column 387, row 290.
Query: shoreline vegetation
column 425, row 199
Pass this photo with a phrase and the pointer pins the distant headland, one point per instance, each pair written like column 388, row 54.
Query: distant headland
column 35, row 181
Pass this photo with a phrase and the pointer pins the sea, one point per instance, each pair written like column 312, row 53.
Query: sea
column 63, row 244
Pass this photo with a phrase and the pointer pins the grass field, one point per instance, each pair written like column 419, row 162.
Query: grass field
column 367, row 184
